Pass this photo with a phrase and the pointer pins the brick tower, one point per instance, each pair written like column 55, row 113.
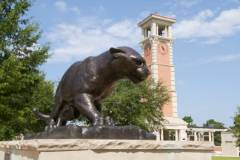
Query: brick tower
column 157, row 45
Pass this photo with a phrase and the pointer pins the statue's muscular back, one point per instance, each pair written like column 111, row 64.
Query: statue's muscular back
column 82, row 77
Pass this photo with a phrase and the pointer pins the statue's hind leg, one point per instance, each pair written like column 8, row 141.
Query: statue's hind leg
column 84, row 103
column 66, row 114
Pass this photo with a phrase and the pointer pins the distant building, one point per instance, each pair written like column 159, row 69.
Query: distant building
column 228, row 145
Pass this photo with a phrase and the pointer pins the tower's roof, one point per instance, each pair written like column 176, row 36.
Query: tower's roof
column 157, row 17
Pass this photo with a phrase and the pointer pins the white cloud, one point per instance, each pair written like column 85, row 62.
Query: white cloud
column 210, row 28
column 90, row 36
column 188, row 3
column 218, row 59
column 75, row 9
column 222, row 59
column 204, row 15
column 101, row 8
column 122, row 29
column 63, row 7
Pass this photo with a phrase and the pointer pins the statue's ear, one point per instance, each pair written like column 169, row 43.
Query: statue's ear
column 117, row 52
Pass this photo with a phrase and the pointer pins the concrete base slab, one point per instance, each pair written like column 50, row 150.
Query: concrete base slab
column 89, row 149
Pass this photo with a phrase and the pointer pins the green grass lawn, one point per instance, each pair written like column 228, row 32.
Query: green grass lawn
column 225, row 158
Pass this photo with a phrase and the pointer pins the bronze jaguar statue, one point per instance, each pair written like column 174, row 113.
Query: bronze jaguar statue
column 86, row 83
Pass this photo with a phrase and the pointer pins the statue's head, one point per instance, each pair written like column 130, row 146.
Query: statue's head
column 129, row 64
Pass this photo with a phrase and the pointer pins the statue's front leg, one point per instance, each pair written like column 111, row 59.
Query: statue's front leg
column 108, row 121
column 85, row 105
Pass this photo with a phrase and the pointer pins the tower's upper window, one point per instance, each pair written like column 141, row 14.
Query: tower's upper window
column 161, row 31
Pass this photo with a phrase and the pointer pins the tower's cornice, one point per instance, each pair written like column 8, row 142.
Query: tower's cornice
column 159, row 38
column 157, row 17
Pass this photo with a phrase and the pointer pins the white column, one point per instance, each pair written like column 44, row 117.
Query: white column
column 143, row 33
column 173, row 83
column 165, row 32
column 162, row 138
column 183, row 135
column 209, row 136
column 154, row 66
column 170, row 32
column 176, row 135
column 195, row 136
column 157, row 134
column 153, row 29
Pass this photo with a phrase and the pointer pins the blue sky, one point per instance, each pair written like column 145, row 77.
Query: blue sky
column 206, row 46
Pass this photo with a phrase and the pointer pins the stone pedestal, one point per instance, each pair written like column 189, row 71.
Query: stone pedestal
column 86, row 149
column 96, row 132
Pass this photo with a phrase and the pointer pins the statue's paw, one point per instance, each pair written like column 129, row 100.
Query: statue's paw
column 51, row 125
column 98, row 122
column 109, row 121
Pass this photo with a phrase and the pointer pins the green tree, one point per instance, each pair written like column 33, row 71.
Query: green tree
column 211, row 123
column 22, row 84
column 236, row 126
column 139, row 105
column 189, row 121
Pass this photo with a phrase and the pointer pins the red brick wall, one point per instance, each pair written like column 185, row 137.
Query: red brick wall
column 164, row 73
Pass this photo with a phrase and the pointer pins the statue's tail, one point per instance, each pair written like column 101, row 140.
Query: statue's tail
column 44, row 117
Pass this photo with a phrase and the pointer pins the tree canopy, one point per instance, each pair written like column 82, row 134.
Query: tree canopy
column 139, row 105
column 211, row 123
column 22, row 84
column 189, row 121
